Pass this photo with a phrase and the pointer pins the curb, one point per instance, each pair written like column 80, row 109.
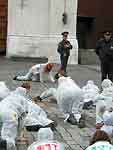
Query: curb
column 92, row 68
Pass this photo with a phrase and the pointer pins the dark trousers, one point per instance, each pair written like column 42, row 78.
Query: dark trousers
column 106, row 70
column 64, row 61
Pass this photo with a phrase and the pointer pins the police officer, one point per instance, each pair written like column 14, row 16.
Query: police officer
column 64, row 50
column 104, row 49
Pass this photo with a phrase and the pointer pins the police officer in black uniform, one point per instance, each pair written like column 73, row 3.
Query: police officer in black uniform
column 64, row 50
column 104, row 49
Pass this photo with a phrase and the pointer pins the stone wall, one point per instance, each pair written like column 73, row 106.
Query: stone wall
column 35, row 27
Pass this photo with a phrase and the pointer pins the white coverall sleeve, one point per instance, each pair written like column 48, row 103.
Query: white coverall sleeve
column 51, row 76
column 48, row 93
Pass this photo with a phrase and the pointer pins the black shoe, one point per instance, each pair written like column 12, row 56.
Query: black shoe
column 56, row 77
column 72, row 120
column 81, row 123
column 39, row 98
column 15, row 78
column 3, row 144
column 33, row 128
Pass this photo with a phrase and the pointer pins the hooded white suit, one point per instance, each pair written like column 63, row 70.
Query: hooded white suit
column 90, row 91
column 36, row 70
column 104, row 100
column 11, row 109
column 68, row 94
column 45, row 141
column 106, row 96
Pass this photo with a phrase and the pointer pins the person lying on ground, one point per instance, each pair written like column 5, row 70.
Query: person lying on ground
column 90, row 91
column 37, row 117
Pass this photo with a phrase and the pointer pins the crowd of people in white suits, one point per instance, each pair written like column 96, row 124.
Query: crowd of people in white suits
column 18, row 110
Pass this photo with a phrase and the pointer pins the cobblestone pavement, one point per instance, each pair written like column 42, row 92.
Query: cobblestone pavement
column 71, row 136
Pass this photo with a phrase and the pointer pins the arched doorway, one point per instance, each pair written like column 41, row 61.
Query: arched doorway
column 3, row 25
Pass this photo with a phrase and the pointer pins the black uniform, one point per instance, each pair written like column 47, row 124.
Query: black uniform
column 104, row 49
column 64, row 53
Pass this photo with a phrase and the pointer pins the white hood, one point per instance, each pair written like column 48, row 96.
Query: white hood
column 106, row 83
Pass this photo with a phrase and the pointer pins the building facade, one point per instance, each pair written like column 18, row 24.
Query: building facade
column 32, row 28
column 94, row 16
column 35, row 27
column 3, row 25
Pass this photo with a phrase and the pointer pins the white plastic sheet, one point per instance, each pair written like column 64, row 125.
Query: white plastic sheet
column 36, row 116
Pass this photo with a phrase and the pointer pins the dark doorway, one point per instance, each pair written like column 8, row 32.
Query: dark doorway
column 3, row 25
column 85, row 26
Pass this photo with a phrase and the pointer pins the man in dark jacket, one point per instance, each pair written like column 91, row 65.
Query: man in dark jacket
column 64, row 50
column 104, row 49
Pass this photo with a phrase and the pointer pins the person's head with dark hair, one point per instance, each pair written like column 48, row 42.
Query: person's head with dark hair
column 65, row 35
column 26, row 85
column 100, row 136
column 107, row 35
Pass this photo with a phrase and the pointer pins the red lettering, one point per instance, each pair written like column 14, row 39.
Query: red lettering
column 55, row 146
column 47, row 147
column 40, row 147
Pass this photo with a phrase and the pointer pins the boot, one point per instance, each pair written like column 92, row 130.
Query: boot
column 39, row 98
column 3, row 144
column 81, row 123
column 15, row 78
column 33, row 128
column 72, row 120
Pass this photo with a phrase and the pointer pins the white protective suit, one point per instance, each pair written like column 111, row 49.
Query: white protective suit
column 12, row 108
column 68, row 95
column 36, row 70
column 107, row 94
column 36, row 116
column 45, row 140
column 100, row 145
column 90, row 91
column 4, row 91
